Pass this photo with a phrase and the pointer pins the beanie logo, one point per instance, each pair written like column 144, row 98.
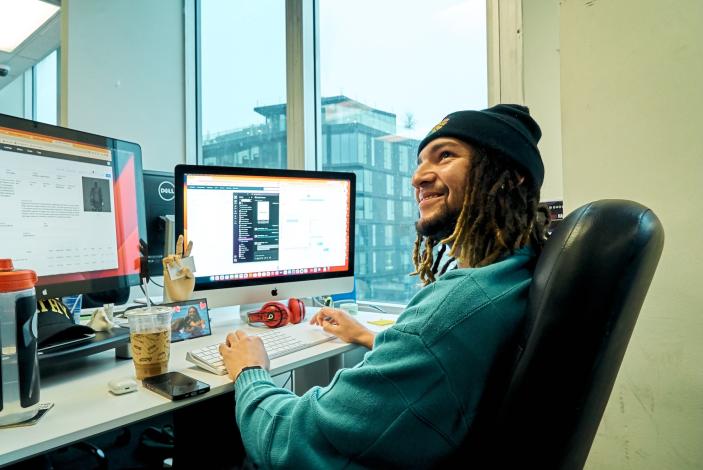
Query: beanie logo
column 441, row 124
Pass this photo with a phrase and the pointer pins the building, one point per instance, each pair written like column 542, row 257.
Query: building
column 359, row 139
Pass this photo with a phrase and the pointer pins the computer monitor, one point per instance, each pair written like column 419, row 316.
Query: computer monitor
column 159, row 196
column 262, row 234
column 72, row 207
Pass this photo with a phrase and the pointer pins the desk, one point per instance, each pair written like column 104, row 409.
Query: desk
column 83, row 407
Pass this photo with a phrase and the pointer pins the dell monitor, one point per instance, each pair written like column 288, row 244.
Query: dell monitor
column 263, row 234
column 159, row 195
column 72, row 207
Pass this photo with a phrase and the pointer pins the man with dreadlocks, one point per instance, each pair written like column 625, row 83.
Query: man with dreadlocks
column 415, row 396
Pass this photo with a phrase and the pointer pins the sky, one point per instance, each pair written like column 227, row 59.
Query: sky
column 412, row 56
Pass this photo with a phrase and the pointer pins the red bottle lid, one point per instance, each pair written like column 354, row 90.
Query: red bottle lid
column 11, row 280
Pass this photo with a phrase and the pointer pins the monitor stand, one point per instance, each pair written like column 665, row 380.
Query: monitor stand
column 117, row 338
column 169, row 234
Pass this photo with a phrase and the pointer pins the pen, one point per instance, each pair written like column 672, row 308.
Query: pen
column 328, row 302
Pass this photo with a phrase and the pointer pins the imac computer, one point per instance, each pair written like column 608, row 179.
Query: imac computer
column 72, row 207
column 261, row 234
column 159, row 196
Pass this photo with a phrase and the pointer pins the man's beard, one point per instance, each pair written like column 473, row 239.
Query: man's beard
column 439, row 226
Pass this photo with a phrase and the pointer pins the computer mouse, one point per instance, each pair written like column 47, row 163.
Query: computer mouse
column 122, row 386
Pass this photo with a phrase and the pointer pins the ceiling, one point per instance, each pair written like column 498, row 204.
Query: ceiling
column 43, row 41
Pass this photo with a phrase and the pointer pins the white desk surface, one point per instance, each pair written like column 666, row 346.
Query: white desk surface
column 83, row 406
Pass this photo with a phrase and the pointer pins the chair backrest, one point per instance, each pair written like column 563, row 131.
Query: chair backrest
column 588, row 287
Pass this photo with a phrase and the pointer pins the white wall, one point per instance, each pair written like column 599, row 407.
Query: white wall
column 123, row 74
column 541, row 86
column 631, row 102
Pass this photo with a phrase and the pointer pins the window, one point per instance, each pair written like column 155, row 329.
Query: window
column 362, row 151
column 404, row 158
column 392, row 104
column 243, row 83
column 34, row 94
column 46, row 95
column 373, row 111
column 389, row 261
column 368, row 208
column 368, row 180
column 387, row 156
column 407, row 209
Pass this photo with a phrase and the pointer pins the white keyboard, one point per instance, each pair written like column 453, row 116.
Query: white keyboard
column 277, row 343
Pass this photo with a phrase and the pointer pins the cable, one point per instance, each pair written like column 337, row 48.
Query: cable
column 375, row 307
column 290, row 377
column 154, row 282
column 321, row 303
column 149, row 302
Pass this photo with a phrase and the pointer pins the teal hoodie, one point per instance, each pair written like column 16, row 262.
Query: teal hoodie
column 413, row 398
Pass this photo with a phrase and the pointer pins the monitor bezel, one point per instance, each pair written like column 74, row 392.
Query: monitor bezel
column 273, row 281
column 88, row 286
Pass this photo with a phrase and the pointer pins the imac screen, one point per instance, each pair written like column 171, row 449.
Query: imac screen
column 71, row 207
column 260, row 226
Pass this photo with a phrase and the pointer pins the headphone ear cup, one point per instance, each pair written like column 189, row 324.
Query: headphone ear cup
column 271, row 314
column 280, row 314
column 297, row 310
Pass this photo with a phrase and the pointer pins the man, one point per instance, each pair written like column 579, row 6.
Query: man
column 96, row 198
column 414, row 398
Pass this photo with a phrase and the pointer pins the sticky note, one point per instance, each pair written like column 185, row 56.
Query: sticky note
column 381, row 322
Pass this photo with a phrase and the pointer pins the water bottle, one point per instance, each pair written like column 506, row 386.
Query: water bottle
column 19, row 368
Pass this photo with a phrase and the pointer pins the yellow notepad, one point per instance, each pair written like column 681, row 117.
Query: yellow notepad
column 381, row 322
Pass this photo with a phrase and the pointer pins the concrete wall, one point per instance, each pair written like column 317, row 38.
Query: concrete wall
column 631, row 101
column 122, row 74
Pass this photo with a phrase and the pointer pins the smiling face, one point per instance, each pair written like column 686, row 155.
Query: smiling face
column 440, row 185
column 193, row 314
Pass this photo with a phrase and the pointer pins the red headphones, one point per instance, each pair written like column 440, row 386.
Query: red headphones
column 275, row 314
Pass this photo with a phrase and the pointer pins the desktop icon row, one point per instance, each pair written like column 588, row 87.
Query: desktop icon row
column 284, row 272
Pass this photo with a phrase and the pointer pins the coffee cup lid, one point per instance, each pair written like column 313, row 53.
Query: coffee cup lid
column 153, row 310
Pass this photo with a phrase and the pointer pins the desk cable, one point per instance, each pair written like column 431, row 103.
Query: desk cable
column 326, row 301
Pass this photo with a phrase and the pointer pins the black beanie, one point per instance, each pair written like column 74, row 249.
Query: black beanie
column 505, row 128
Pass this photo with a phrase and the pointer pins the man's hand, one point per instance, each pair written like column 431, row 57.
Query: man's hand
column 241, row 350
column 343, row 326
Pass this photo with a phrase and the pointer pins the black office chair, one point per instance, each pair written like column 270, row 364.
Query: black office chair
column 589, row 285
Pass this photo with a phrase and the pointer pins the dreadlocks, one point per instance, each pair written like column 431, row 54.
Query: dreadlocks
column 500, row 214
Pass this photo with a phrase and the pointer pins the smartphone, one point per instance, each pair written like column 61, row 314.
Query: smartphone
column 175, row 386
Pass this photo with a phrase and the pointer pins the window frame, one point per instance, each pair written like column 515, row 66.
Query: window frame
column 305, row 144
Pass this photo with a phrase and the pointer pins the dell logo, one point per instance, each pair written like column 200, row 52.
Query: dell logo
column 167, row 191
column 274, row 292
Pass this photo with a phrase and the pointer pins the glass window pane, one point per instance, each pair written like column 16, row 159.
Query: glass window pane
column 243, row 89
column 47, row 89
column 368, row 208
column 12, row 97
column 389, row 86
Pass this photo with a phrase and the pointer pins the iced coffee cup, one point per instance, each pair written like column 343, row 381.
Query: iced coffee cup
column 150, row 338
